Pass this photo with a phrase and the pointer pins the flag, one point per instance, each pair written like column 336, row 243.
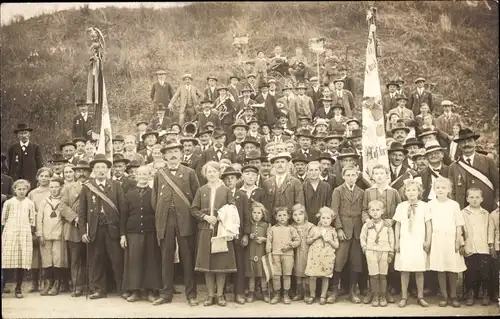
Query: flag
column 96, row 95
column 373, row 140
column 267, row 265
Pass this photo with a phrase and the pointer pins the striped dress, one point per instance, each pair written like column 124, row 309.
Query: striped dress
column 17, row 247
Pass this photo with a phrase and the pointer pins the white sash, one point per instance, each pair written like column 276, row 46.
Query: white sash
column 477, row 174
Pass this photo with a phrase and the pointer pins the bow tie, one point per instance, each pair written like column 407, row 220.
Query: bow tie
column 173, row 169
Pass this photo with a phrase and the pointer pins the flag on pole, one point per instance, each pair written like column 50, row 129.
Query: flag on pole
column 267, row 265
column 373, row 140
column 96, row 95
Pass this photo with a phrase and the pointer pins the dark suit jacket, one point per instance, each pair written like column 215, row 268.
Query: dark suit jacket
column 347, row 101
column 163, row 195
column 209, row 95
column 90, row 207
column 349, row 85
column 241, row 104
column 139, row 216
column 321, row 112
column 24, row 165
column 348, row 206
column 192, row 162
column 144, row 153
column 287, row 195
column 203, row 120
column 313, row 154
column 315, row 96
column 201, row 204
column 126, row 183
column 211, row 155
column 81, row 127
column 426, row 177
column 268, row 114
column 243, row 205
column 388, row 103
column 161, row 94
column 462, row 181
column 415, row 99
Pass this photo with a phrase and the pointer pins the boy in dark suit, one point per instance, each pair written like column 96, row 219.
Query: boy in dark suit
column 82, row 123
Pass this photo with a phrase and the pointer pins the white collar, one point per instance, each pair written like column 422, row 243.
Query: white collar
column 396, row 168
column 103, row 183
column 84, row 114
column 24, row 144
column 173, row 168
column 471, row 158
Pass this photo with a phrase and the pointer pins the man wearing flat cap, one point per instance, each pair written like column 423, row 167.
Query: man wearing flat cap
column 161, row 91
column 102, row 202
column 174, row 187
column 419, row 95
column 83, row 121
column 188, row 97
column 246, row 100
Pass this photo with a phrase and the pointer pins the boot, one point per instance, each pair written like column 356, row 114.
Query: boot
column 299, row 294
column 335, row 294
column 54, row 291
column 354, row 295
column 47, row 285
column 35, row 273
column 470, row 298
column 276, row 297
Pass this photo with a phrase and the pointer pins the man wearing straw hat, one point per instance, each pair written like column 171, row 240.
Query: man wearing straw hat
column 188, row 96
column 161, row 91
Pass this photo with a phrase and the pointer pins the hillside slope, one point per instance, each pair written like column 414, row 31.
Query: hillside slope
column 449, row 43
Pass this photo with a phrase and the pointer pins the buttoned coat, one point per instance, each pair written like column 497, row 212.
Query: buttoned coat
column 211, row 95
column 287, row 195
column 347, row 101
column 322, row 113
column 446, row 125
column 348, row 206
column 24, row 165
column 389, row 103
column 90, row 208
column 139, row 216
column 70, row 198
column 182, row 95
column 81, row 127
column 161, row 93
column 203, row 119
column 268, row 113
column 315, row 96
column 186, row 180
column 462, row 181
column 304, row 106
column 415, row 99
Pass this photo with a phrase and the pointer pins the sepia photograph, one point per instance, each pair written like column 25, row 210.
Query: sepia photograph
column 250, row 159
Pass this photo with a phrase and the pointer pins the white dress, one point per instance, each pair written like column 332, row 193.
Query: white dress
column 412, row 257
column 446, row 217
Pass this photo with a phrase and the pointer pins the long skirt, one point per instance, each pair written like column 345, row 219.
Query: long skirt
column 142, row 267
column 208, row 262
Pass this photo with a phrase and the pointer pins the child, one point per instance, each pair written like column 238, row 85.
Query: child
column 494, row 245
column 37, row 196
column 412, row 240
column 321, row 256
column 281, row 240
column 390, row 197
column 303, row 226
column 377, row 243
column 18, row 223
column 447, row 223
column 49, row 230
column 477, row 252
column 256, row 250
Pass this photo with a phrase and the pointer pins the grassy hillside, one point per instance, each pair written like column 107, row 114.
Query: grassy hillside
column 449, row 43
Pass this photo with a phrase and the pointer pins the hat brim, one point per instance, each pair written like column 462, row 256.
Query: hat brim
column 66, row 144
column 413, row 143
column 474, row 136
column 397, row 150
column 304, row 135
column 434, row 149
column 256, row 143
column 121, row 160
column 235, row 173
column 107, row 162
column 402, row 98
column 400, row 128
column 333, row 137
column 239, row 125
column 341, row 156
column 88, row 168
column 150, row 133
column 195, row 141
column 28, row 129
column 166, row 148
column 326, row 158
column 142, row 122
column 274, row 159
column 79, row 139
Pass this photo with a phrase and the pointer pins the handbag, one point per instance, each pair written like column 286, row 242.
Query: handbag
column 218, row 244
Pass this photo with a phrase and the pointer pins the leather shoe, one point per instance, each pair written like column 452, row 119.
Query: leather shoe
column 6, row 290
column 134, row 297
column 221, row 301
column 193, row 302
column 125, row 295
column 422, row 302
column 161, row 301
column 240, row 299
column 77, row 293
column 97, row 295
column 455, row 303
column 151, row 297
column 209, row 301
column 18, row 295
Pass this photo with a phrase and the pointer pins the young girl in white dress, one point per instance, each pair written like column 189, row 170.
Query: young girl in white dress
column 445, row 256
column 412, row 240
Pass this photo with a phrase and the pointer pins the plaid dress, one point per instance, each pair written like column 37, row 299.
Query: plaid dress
column 17, row 218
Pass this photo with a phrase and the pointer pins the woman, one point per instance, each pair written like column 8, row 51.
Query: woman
column 291, row 146
column 68, row 174
column 130, row 150
column 142, row 254
column 208, row 200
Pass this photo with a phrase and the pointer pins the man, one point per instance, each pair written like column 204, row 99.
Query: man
column 149, row 138
column 224, row 102
column 389, row 99
column 326, row 111
column 343, row 97
column 401, row 110
column 215, row 152
column 299, row 164
column 188, row 97
column 289, row 104
column 400, row 131
column 399, row 80
column 208, row 115
column 141, row 126
column 268, row 112
column 338, row 122
column 204, row 136
column 160, row 122
column 419, row 95
column 305, row 138
column 72, row 234
column 161, row 91
column 420, row 160
column 333, row 142
column 251, row 78
column 68, row 150
column 80, row 143
column 118, row 144
column 304, row 104
column 24, row 158
column 348, row 157
column 234, row 92
column 326, row 162
column 315, row 92
column 473, row 170
column 211, row 93
column 254, row 158
column 174, row 187
column 57, row 164
column 436, row 168
column 239, row 129
column 319, row 141
column 283, row 189
column 102, row 202
column 412, row 145
column 448, row 119
column 246, row 101
column 355, row 140
column 349, row 84
column 189, row 157
column 305, row 122
column 277, row 134
column 82, row 123
column 249, row 145
column 119, row 167
column 428, row 134
column 399, row 172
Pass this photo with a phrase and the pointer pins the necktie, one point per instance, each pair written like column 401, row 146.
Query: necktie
column 411, row 215
column 469, row 161
column 219, row 154
column 101, row 186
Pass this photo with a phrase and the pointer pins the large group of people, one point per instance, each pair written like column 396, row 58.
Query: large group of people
column 259, row 186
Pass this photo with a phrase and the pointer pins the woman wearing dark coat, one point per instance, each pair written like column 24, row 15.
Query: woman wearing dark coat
column 142, row 267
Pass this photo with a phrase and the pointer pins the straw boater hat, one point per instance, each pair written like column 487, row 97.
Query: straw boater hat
column 100, row 158
column 466, row 133
column 149, row 132
column 132, row 164
column 446, row 103
column 119, row 158
column 432, row 146
column 400, row 125
column 187, row 76
column 82, row 164
column 300, row 158
column 284, row 155
column 397, row 147
column 271, row 81
column 230, row 171
column 327, row 156
column 314, row 78
column 347, row 152
column 21, row 127
column 160, row 72
column 188, row 138
column 419, row 153
column 171, row 145
column 67, row 143
column 420, row 79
